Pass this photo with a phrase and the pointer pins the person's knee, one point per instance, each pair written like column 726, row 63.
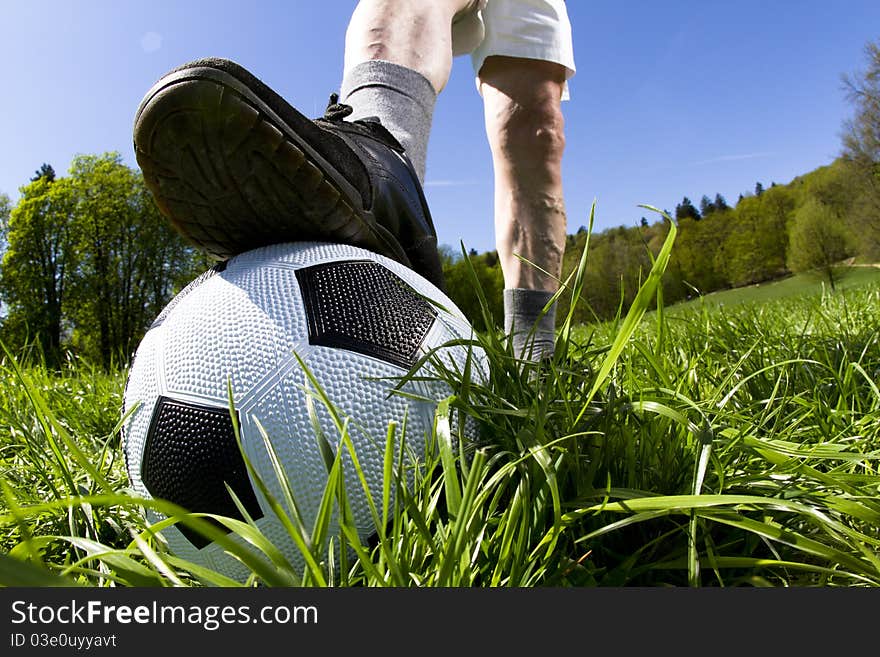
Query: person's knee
column 524, row 118
column 537, row 130
column 529, row 137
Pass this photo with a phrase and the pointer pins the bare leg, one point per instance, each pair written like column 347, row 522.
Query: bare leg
column 524, row 125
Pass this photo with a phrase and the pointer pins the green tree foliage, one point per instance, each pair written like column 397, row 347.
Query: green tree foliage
column 37, row 266
column 706, row 206
column 686, row 210
column 5, row 208
column 754, row 249
column 90, row 262
column 776, row 207
column 132, row 261
column 830, row 185
column 699, row 253
column 617, row 261
column 818, row 240
column 459, row 274
column 45, row 171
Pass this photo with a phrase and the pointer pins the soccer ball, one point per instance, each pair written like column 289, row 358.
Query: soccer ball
column 258, row 324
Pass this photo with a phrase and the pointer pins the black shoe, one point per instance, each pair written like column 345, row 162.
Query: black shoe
column 234, row 167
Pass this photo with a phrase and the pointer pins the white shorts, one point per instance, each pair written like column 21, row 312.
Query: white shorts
column 532, row 29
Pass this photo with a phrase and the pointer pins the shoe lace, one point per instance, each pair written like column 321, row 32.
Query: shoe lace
column 336, row 111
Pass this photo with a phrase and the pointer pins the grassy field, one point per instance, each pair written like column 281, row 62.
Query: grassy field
column 717, row 443
column 801, row 285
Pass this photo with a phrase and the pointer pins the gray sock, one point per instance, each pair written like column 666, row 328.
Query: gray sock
column 522, row 309
column 402, row 98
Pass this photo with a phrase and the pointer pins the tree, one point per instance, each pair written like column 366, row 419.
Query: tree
column 861, row 148
column 45, row 171
column 777, row 208
column 706, row 206
column 818, row 241
column 131, row 261
column 686, row 210
column 699, row 253
column 5, row 209
column 754, row 249
column 37, row 266
column 864, row 211
column 89, row 262
column 461, row 288
column 861, row 138
column 721, row 203
column 759, row 189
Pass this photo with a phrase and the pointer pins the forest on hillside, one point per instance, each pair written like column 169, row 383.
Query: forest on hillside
column 88, row 261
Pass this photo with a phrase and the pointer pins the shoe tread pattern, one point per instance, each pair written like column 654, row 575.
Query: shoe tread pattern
column 230, row 181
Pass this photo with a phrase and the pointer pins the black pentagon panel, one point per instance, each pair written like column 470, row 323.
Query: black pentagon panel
column 365, row 307
column 189, row 457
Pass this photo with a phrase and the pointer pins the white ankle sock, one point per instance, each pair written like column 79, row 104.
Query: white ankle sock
column 402, row 98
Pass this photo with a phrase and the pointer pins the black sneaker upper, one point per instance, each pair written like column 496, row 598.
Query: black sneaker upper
column 396, row 196
column 360, row 159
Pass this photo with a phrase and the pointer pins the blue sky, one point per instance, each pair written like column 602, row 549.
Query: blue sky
column 671, row 99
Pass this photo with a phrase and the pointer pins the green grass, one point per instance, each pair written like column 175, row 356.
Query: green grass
column 800, row 285
column 716, row 445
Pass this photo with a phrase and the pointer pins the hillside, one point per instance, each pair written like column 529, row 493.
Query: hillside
column 804, row 285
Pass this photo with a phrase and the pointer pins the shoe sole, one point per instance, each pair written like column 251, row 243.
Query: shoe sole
column 231, row 175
